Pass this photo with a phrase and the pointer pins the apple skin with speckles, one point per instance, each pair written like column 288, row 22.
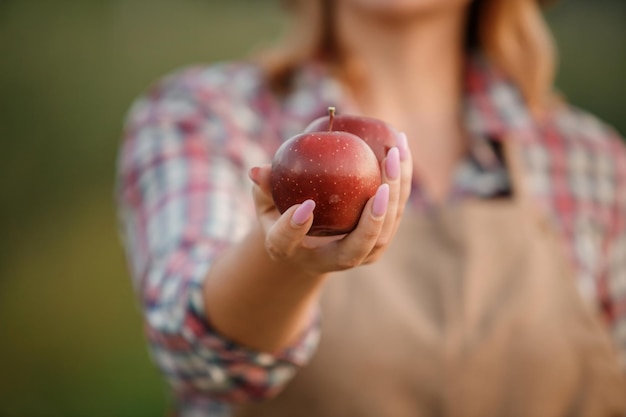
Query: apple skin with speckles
column 379, row 135
column 337, row 170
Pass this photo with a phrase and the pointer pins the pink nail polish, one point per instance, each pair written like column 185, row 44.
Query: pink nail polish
column 303, row 213
column 381, row 200
column 403, row 146
column 392, row 166
column 253, row 174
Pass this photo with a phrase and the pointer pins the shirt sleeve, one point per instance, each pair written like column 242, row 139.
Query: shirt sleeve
column 184, row 196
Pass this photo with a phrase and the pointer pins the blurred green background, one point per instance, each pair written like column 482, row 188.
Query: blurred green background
column 71, row 342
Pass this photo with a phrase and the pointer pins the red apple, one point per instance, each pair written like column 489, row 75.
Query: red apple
column 380, row 136
column 337, row 170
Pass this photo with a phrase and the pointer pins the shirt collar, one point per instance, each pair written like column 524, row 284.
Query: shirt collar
column 493, row 105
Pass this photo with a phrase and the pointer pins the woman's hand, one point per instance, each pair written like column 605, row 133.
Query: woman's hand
column 266, row 302
column 285, row 235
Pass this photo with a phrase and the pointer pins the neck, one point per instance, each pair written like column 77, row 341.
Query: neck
column 410, row 74
column 410, row 67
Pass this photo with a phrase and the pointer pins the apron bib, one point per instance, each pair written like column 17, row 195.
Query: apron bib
column 472, row 312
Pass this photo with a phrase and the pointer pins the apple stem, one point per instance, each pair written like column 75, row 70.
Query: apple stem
column 331, row 118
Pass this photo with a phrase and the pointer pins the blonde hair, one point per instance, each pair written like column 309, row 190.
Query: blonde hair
column 511, row 33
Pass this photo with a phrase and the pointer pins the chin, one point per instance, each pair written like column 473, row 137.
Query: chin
column 398, row 8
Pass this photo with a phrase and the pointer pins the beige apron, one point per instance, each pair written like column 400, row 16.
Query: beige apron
column 473, row 312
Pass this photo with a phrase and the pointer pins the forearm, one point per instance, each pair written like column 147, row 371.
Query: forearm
column 258, row 302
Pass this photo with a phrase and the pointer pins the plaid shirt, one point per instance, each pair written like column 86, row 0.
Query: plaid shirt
column 184, row 196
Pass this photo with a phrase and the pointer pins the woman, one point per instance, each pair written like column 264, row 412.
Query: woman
column 487, row 276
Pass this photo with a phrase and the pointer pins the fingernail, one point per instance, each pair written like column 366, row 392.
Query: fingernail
column 381, row 200
column 253, row 173
column 303, row 213
column 392, row 166
column 403, row 146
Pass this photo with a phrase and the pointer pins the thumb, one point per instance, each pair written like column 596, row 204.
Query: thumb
column 290, row 230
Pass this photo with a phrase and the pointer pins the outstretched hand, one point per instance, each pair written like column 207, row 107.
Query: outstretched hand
column 286, row 237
